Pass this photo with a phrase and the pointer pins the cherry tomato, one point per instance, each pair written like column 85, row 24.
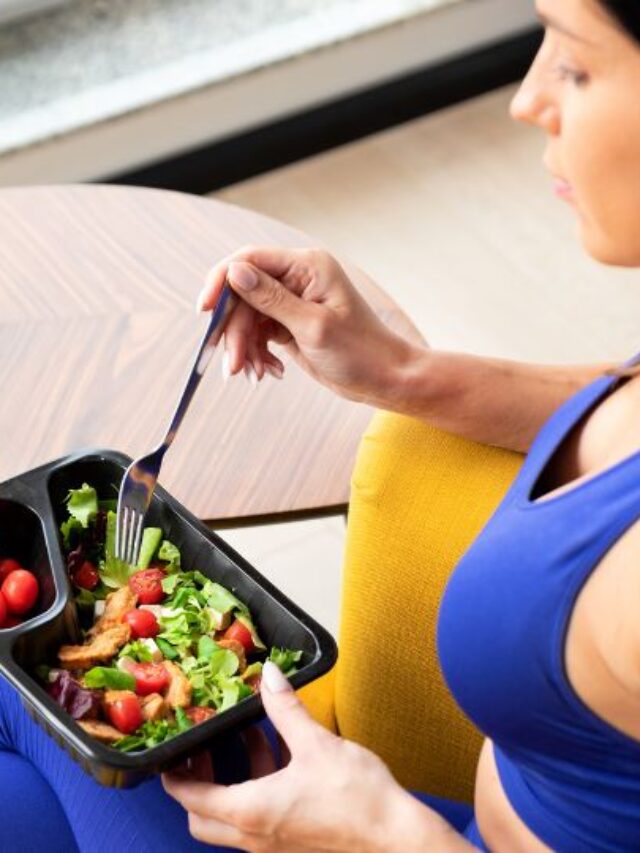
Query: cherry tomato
column 150, row 677
column 7, row 566
column 20, row 590
column 3, row 611
column 87, row 576
column 147, row 585
column 241, row 634
column 125, row 713
column 11, row 621
column 198, row 714
column 142, row 623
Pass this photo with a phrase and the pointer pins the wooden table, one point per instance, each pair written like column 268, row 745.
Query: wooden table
column 98, row 329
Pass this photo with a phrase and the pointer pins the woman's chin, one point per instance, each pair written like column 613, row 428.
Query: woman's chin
column 601, row 248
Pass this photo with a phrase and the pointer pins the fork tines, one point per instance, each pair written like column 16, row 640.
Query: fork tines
column 129, row 535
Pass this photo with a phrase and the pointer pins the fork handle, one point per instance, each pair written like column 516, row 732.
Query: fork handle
column 210, row 340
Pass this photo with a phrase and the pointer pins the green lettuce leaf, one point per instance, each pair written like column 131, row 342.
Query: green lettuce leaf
column 71, row 531
column 286, row 659
column 109, row 677
column 113, row 572
column 168, row 651
column 169, row 553
column 152, row 733
column 221, row 599
column 206, row 647
column 136, row 650
column 82, row 504
column 233, row 690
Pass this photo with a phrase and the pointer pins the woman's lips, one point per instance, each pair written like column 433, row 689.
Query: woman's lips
column 563, row 189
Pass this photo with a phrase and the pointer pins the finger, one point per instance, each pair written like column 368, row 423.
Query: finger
column 216, row 832
column 254, row 357
column 237, row 335
column 272, row 331
column 261, row 756
column 270, row 297
column 197, row 766
column 287, row 713
column 230, row 804
column 274, row 260
column 285, row 752
column 250, row 373
column 202, row 767
column 272, row 364
column 212, row 289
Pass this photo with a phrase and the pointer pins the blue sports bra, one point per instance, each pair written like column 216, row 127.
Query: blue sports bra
column 573, row 778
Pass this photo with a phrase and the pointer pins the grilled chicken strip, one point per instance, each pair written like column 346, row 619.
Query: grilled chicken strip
column 101, row 649
column 117, row 604
column 100, row 731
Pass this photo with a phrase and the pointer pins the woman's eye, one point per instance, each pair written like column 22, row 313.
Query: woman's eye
column 564, row 72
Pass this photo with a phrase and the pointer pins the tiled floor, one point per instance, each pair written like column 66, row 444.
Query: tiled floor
column 453, row 215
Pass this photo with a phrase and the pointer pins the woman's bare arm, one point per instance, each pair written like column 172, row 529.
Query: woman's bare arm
column 314, row 310
column 492, row 401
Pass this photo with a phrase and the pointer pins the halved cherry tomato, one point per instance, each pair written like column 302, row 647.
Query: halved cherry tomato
column 147, row 585
column 87, row 576
column 3, row 611
column 142, row 623
column 241, row 634
column 7, row 566
column 198, row 714
column 150, row 677
column 125, row 713
column 20, row 590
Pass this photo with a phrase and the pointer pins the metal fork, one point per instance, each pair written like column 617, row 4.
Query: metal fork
column 141, row 476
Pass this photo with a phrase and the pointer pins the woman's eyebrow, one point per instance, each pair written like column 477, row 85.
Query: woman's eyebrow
column 546, row 21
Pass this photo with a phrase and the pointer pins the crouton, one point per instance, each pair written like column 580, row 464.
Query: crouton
column 100, row 650
column 154, row 707
column 100, row 731
column 179, row 692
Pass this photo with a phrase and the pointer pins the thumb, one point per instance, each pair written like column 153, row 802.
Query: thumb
column 269, row 296
column 284, row 709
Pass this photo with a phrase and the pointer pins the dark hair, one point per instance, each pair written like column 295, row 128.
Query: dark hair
column 627, row 13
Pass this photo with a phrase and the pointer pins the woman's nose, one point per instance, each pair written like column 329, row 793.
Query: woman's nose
column 533, row 104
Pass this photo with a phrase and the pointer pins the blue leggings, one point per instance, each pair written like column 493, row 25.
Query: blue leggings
column 51, row 805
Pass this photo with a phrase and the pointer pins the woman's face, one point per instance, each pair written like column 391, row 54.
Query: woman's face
column 583, row 90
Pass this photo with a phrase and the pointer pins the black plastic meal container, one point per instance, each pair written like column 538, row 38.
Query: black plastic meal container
column 31, row 509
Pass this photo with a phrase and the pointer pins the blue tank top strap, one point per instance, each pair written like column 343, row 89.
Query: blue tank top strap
column 558, row 426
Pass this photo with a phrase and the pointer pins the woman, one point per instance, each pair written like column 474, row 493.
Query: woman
column 539, row 636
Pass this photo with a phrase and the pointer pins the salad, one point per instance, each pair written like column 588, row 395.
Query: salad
column 164, row 649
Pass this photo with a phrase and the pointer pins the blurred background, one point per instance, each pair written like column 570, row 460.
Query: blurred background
column 120, row 89
column 380, row 127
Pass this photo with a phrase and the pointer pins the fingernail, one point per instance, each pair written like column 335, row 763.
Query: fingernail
column 251, row 375
column 226, row 366
column 274, row 679
column 274, row 370
column 242, row 275
column 200, row 302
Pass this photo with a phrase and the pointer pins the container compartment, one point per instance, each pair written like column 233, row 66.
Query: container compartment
column 22, row 538
column 278, row 620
